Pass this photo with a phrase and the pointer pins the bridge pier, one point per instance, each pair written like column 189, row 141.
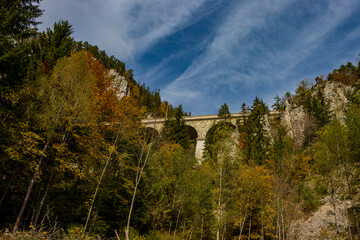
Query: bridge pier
column 200, row 146
column 199, row 126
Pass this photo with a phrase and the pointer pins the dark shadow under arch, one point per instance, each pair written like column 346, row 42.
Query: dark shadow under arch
column 192, row 132
column 151, row 134
column 213, row 128
column 210, row 139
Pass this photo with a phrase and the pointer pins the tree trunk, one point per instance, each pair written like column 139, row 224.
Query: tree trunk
column 202, row 227
column 37, row 213
column 242, row 225
column 177, row 221
column 224, row 231
column 3, row 196
column 249, row 228
column 347, row 216
column 282, row 219
column 278, row 230
column 219, row 205
column 262, row 222
column 348, row 182
column 191, row 231
column 99, row 182
column 139, row 172
column 27, row 196
column 334, row 206
column 37, row 202
column 246, row 210
column 170, row 227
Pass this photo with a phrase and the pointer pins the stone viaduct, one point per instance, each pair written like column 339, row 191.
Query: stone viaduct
column 198, row 126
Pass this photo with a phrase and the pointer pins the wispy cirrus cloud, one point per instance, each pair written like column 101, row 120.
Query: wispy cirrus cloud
column 125, row 28
column 256, row 52
column 220, row 67
column 202, row 53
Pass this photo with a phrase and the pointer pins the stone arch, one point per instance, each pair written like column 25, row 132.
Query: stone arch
column 192, row 132
column 213, row 128
column 151, row 134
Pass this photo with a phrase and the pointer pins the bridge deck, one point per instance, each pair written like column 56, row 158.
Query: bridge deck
column 200, row 124
column 203, row 117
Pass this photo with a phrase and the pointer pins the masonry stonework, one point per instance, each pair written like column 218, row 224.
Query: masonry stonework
column 201, row 124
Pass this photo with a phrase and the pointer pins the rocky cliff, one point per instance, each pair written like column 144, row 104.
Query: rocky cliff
column 297, row 120
column 120, row 84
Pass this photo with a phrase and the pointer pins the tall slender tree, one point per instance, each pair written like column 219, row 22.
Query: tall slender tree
column 175, row 129
column 64, row 99
column 253, row 139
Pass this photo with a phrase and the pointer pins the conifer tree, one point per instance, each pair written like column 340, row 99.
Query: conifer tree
column 253, row 138
column 175, row 129
column 17, row 17
column 224, row 112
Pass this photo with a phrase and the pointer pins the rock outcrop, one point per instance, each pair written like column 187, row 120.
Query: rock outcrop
column 336, row 94
column 322, row 224
column 295, row 118
column 120, row 84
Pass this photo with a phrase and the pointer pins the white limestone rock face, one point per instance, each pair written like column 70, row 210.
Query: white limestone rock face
column 321, row 225
column 120, row 84
column 336, row 94
column 297, row 120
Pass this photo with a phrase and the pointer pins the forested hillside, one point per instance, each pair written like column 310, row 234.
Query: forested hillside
column 76, row 163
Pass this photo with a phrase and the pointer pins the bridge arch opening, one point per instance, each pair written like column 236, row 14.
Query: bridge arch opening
column 193, row 135
column 212, row 130
column 192, row 132
column 151, row 134
column 211, row 138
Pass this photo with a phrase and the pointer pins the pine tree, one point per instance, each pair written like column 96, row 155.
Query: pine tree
column 17, row 17
column 253, row 140
column 175, row 129
column 224, row 112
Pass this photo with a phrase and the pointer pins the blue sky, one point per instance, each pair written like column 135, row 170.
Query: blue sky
column 203, row 53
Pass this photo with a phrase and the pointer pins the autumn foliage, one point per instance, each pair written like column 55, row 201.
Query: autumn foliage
column 76, row 162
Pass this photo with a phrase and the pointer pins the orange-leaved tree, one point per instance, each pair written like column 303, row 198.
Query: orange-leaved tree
column 118, row 122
